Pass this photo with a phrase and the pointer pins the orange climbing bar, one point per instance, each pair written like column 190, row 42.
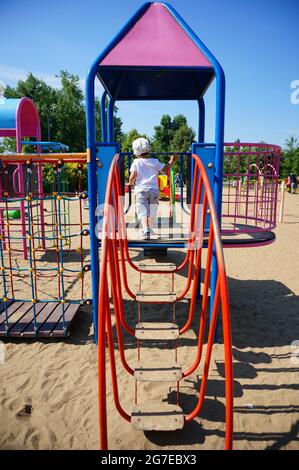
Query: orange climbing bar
column 113, row 276
column 44, row 157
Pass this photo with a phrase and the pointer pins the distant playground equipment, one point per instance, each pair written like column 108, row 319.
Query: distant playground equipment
column 40, row 217
column 249, row 197
column 19, row 118
column 229, row 200
column 163, row 182
column 50, row 187
column 167, row 191
column 167, row 187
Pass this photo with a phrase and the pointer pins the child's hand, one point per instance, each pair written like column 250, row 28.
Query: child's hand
column 173, row 158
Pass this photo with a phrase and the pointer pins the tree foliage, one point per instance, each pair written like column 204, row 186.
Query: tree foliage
column 44, row 97
column 290, row 157
column 61, row 110
column 173, row 135
column 62, row 115
column 128, row 139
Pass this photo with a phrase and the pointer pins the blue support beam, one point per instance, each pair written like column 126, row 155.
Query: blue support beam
column 207, row 156
column 103, row 116
column 92, row 191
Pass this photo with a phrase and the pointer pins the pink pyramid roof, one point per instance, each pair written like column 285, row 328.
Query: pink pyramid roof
column 156, row 40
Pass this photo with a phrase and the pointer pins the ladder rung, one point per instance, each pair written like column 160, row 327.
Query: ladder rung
column 157, row 331
column 156, row 297
column 162, row 373
column 157, row 417
column 159, row 267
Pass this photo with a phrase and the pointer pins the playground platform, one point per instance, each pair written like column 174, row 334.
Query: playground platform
column 49, row 319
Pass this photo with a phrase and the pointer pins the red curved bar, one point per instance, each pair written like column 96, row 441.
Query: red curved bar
column 114, row 241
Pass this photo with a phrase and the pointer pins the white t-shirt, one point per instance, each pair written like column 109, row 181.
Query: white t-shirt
column 147, row 173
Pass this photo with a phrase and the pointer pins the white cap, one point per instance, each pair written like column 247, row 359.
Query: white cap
column 140, row 146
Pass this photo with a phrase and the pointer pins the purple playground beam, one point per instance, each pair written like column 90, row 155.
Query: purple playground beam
column 156, row 40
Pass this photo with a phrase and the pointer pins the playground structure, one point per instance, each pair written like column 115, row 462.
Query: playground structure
column 241, row 212
column 55, row 255
column 249, row 202
column 19, row 118
column 159, row 416
column 145, row 62
column 167, row 187
column 167, row 191
column 249, row 197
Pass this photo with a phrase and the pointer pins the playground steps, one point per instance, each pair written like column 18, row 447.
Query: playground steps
column 157, row 331
column 156, row 297
column 158, row 267
column 163, row 373
column 157, row 417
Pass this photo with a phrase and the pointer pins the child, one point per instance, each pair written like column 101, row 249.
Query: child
column 293, row 181
column 177, row 179
column 144, row 174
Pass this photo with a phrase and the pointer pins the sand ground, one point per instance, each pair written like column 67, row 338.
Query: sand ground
column 57, row 379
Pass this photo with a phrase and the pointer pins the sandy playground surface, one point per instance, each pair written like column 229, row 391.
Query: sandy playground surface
column 56, row 379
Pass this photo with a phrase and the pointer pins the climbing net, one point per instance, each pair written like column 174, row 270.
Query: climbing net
column 53, row 226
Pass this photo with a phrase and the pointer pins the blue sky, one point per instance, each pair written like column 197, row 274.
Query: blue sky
column 256, row 42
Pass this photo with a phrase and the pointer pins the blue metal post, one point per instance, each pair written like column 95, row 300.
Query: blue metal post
column 130, row 187
column 103, row 116
column 110, row 119
column 201, row 138
column 182, row 181
column 201, row 120
column 219, row 138
column 92, row 192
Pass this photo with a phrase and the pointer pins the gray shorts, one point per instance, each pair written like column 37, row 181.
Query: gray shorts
column 147, row 203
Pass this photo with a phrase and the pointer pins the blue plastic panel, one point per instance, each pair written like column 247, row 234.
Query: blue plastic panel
column 207, row 156
column 8, row 113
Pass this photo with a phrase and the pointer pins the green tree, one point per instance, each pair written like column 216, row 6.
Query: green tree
column 70, row 113
column 182, row 139
column 127, row 140
column 173, row 135
column 163, row 135
column 61, row 110
column 8, row 144
column 44, row 97
column 290, row 157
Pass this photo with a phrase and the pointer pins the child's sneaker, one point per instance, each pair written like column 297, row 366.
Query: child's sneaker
column 145, row 235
